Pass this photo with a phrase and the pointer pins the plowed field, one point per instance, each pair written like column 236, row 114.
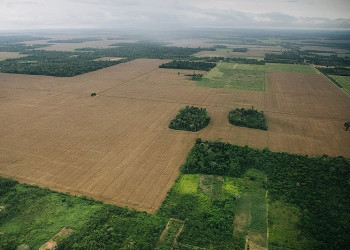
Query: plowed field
column 116, row 147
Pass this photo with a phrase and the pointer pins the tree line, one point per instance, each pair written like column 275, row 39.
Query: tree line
column 188, row 65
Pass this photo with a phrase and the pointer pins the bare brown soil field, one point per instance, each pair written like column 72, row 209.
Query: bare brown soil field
column 7, row 55
column 116, row 147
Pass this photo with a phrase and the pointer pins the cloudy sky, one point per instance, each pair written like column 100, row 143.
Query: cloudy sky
column 168, row 14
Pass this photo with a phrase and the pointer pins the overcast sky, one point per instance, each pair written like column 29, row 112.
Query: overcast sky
column 157, row 14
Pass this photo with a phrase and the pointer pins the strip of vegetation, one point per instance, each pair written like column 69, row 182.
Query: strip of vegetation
column 290, row 57
column 188, row 65
column 190, row 119
column 335, row 71
column 326, row 60
column 318, row 187
column 144, row 50
column 250, row 118
column 243, row 50
column 32, row 215
column 76, row 40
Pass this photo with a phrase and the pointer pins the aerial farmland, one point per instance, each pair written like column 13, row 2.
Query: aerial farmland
column 85, row 127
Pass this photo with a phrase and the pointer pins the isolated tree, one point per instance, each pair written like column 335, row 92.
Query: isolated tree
column 347, row 125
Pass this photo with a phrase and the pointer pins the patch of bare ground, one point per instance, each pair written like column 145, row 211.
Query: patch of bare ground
column 7, row 55
column 116, row 147
column 52, row 243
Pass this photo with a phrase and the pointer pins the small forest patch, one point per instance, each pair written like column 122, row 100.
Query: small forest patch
column 250, row 118
column 190, row 119
column 188, row 65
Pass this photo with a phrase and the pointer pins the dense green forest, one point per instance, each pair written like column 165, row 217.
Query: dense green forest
column 188, row 65
column 335, row 71
column 60, row 63
column 143, row 50
column 289, row 57
column 250, row 118
column 190, row 119
column 55, row 63
column 240, row 50
column 318, row 186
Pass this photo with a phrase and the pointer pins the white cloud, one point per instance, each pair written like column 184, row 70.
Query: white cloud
column 31, row 14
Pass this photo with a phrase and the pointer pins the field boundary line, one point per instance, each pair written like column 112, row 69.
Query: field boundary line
column 320, row 73
column 126, row 81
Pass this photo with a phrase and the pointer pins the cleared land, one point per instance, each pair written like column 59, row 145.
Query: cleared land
column 226, row 75
column 117, row 147
column 7, row 55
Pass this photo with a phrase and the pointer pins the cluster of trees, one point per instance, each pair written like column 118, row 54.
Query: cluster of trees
column 240, row 50
column 335, row 71
column 116, row 228
column 241, row 60
column 195, row 76
column 250, row 118
column 289, row 57
column 188, row 65
column 325, row 60
column 190, row 119
column 318, row 186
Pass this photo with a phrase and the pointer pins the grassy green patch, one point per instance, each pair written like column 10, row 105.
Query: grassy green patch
column 247, row 76
column 250, row 218
column 278, row 67
column 344, row 81
column 226, row 75
column 283, row 230
column 210, row 185
column 187, row 184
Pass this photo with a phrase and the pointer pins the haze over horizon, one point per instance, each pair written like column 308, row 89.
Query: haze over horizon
column 166, row 14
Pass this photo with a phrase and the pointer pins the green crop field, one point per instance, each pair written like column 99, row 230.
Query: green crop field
column 227, row 75
column 250, row 217
column 278, row 67
column 247, row 76
column 344, row 81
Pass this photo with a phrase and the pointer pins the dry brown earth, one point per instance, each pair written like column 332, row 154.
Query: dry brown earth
column 116, row 147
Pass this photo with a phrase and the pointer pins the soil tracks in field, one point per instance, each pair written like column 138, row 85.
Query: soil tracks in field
column 116, row 147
